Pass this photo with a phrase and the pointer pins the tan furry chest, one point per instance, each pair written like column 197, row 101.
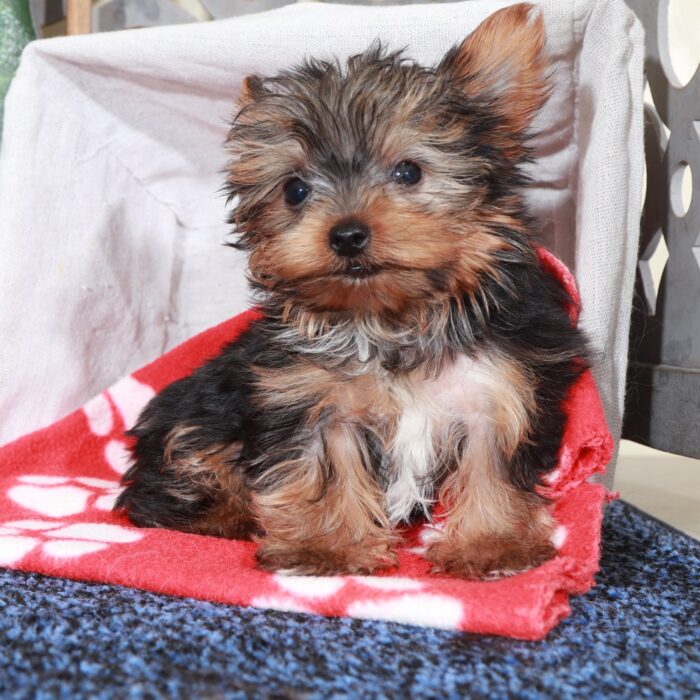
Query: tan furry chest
column 418, row 420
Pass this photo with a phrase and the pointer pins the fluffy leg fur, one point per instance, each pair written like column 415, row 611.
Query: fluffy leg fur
column 493, row 527
column 322, row 512
column 195, row 490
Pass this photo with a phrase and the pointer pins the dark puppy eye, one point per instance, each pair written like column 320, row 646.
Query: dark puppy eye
column 296, row 191
column 406, row 173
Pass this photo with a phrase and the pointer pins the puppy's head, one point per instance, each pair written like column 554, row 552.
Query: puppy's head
column 379, row 185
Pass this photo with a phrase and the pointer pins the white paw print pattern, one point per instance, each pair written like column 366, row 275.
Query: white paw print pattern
column 378, row 597
column 128, row 396
column 59, row 540
column 424, row 609
column 61, row 497
column 57, row 499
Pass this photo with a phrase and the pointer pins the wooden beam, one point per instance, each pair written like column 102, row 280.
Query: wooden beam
column 79, row 16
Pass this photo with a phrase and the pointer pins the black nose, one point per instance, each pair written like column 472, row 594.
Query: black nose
column 349, row 239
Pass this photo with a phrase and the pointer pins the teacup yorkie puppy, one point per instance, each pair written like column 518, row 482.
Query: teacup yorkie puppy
column 412, row 351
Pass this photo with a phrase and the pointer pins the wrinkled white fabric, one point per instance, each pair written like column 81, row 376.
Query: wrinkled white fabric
column 112, row 220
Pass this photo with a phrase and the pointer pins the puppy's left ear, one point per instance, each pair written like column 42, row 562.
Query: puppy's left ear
column 503, row 62
column 251, row 89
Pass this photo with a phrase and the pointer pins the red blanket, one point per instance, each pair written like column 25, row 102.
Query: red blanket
column 58, row 485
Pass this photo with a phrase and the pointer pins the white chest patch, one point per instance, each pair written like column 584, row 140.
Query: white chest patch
column 413, row 457
column 431, row 416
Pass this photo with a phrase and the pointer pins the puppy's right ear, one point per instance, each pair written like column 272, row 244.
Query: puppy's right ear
column 251, row 89
column 503, row 62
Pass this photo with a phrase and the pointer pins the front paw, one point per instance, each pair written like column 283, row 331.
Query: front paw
column 306, row 560
column 488, row 557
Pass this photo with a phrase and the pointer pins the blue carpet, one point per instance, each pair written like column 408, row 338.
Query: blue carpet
column 636, row 635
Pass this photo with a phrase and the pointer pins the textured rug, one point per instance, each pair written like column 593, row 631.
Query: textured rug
column 636, row 635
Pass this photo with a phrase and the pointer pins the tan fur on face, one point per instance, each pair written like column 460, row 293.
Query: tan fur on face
column 301, row 251
column 408, row 238
column 405, row 244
